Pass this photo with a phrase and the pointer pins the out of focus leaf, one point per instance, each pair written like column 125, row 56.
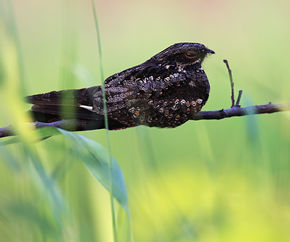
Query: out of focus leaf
column 94, row 156
column 10, row 160
column 26, row 211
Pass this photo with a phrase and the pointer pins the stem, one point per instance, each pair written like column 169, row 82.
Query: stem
column 106, row 122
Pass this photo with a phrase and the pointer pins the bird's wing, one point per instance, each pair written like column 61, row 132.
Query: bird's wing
column 85, row 105
column 63, row 103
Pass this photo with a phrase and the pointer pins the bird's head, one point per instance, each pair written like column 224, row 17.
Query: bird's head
column 183, row 54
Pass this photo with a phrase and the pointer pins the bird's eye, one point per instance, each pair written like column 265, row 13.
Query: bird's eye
column 190, row 54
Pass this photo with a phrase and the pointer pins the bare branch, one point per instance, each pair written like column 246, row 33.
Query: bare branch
column 64, row 124
column 237, row 111
column 203, row 115
column 232, row 83
column 6, row 131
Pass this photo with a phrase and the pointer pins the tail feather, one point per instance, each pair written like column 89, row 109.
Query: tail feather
column 56, row 98
column 56, row 105
column 69, row 104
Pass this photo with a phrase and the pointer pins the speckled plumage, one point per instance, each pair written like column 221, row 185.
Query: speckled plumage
column 162, row 92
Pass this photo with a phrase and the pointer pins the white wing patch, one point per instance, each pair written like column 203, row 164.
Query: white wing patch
column 90, row 108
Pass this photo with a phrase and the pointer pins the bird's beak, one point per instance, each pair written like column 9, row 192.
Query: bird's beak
column 209, row 51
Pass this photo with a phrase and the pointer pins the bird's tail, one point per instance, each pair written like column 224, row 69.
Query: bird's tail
column 75, row 104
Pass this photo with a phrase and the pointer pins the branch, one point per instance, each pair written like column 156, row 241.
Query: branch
column 238, row 111
column 63, row 124
column 203, row 115
column 231, row 81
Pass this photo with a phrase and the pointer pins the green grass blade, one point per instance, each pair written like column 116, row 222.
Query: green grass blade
column 110, row 162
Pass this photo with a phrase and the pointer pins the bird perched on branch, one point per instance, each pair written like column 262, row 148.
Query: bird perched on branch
column 164, row 91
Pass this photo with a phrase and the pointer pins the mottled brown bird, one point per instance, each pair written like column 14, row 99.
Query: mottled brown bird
column 164, row 91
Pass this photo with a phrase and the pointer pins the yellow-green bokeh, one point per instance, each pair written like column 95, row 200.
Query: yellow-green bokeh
column 207, row 181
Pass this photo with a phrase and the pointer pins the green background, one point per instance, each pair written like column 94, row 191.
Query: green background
column 224, row 180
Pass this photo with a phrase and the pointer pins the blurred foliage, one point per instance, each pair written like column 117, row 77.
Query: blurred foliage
column 210, row 181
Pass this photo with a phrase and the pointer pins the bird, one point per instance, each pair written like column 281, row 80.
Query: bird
column 164, row 92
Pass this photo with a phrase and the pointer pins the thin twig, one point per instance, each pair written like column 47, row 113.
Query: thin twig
column 232, row 83
column 239, row 98
column 203, row 115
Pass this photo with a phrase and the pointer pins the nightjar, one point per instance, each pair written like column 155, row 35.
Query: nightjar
column 164, row 91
